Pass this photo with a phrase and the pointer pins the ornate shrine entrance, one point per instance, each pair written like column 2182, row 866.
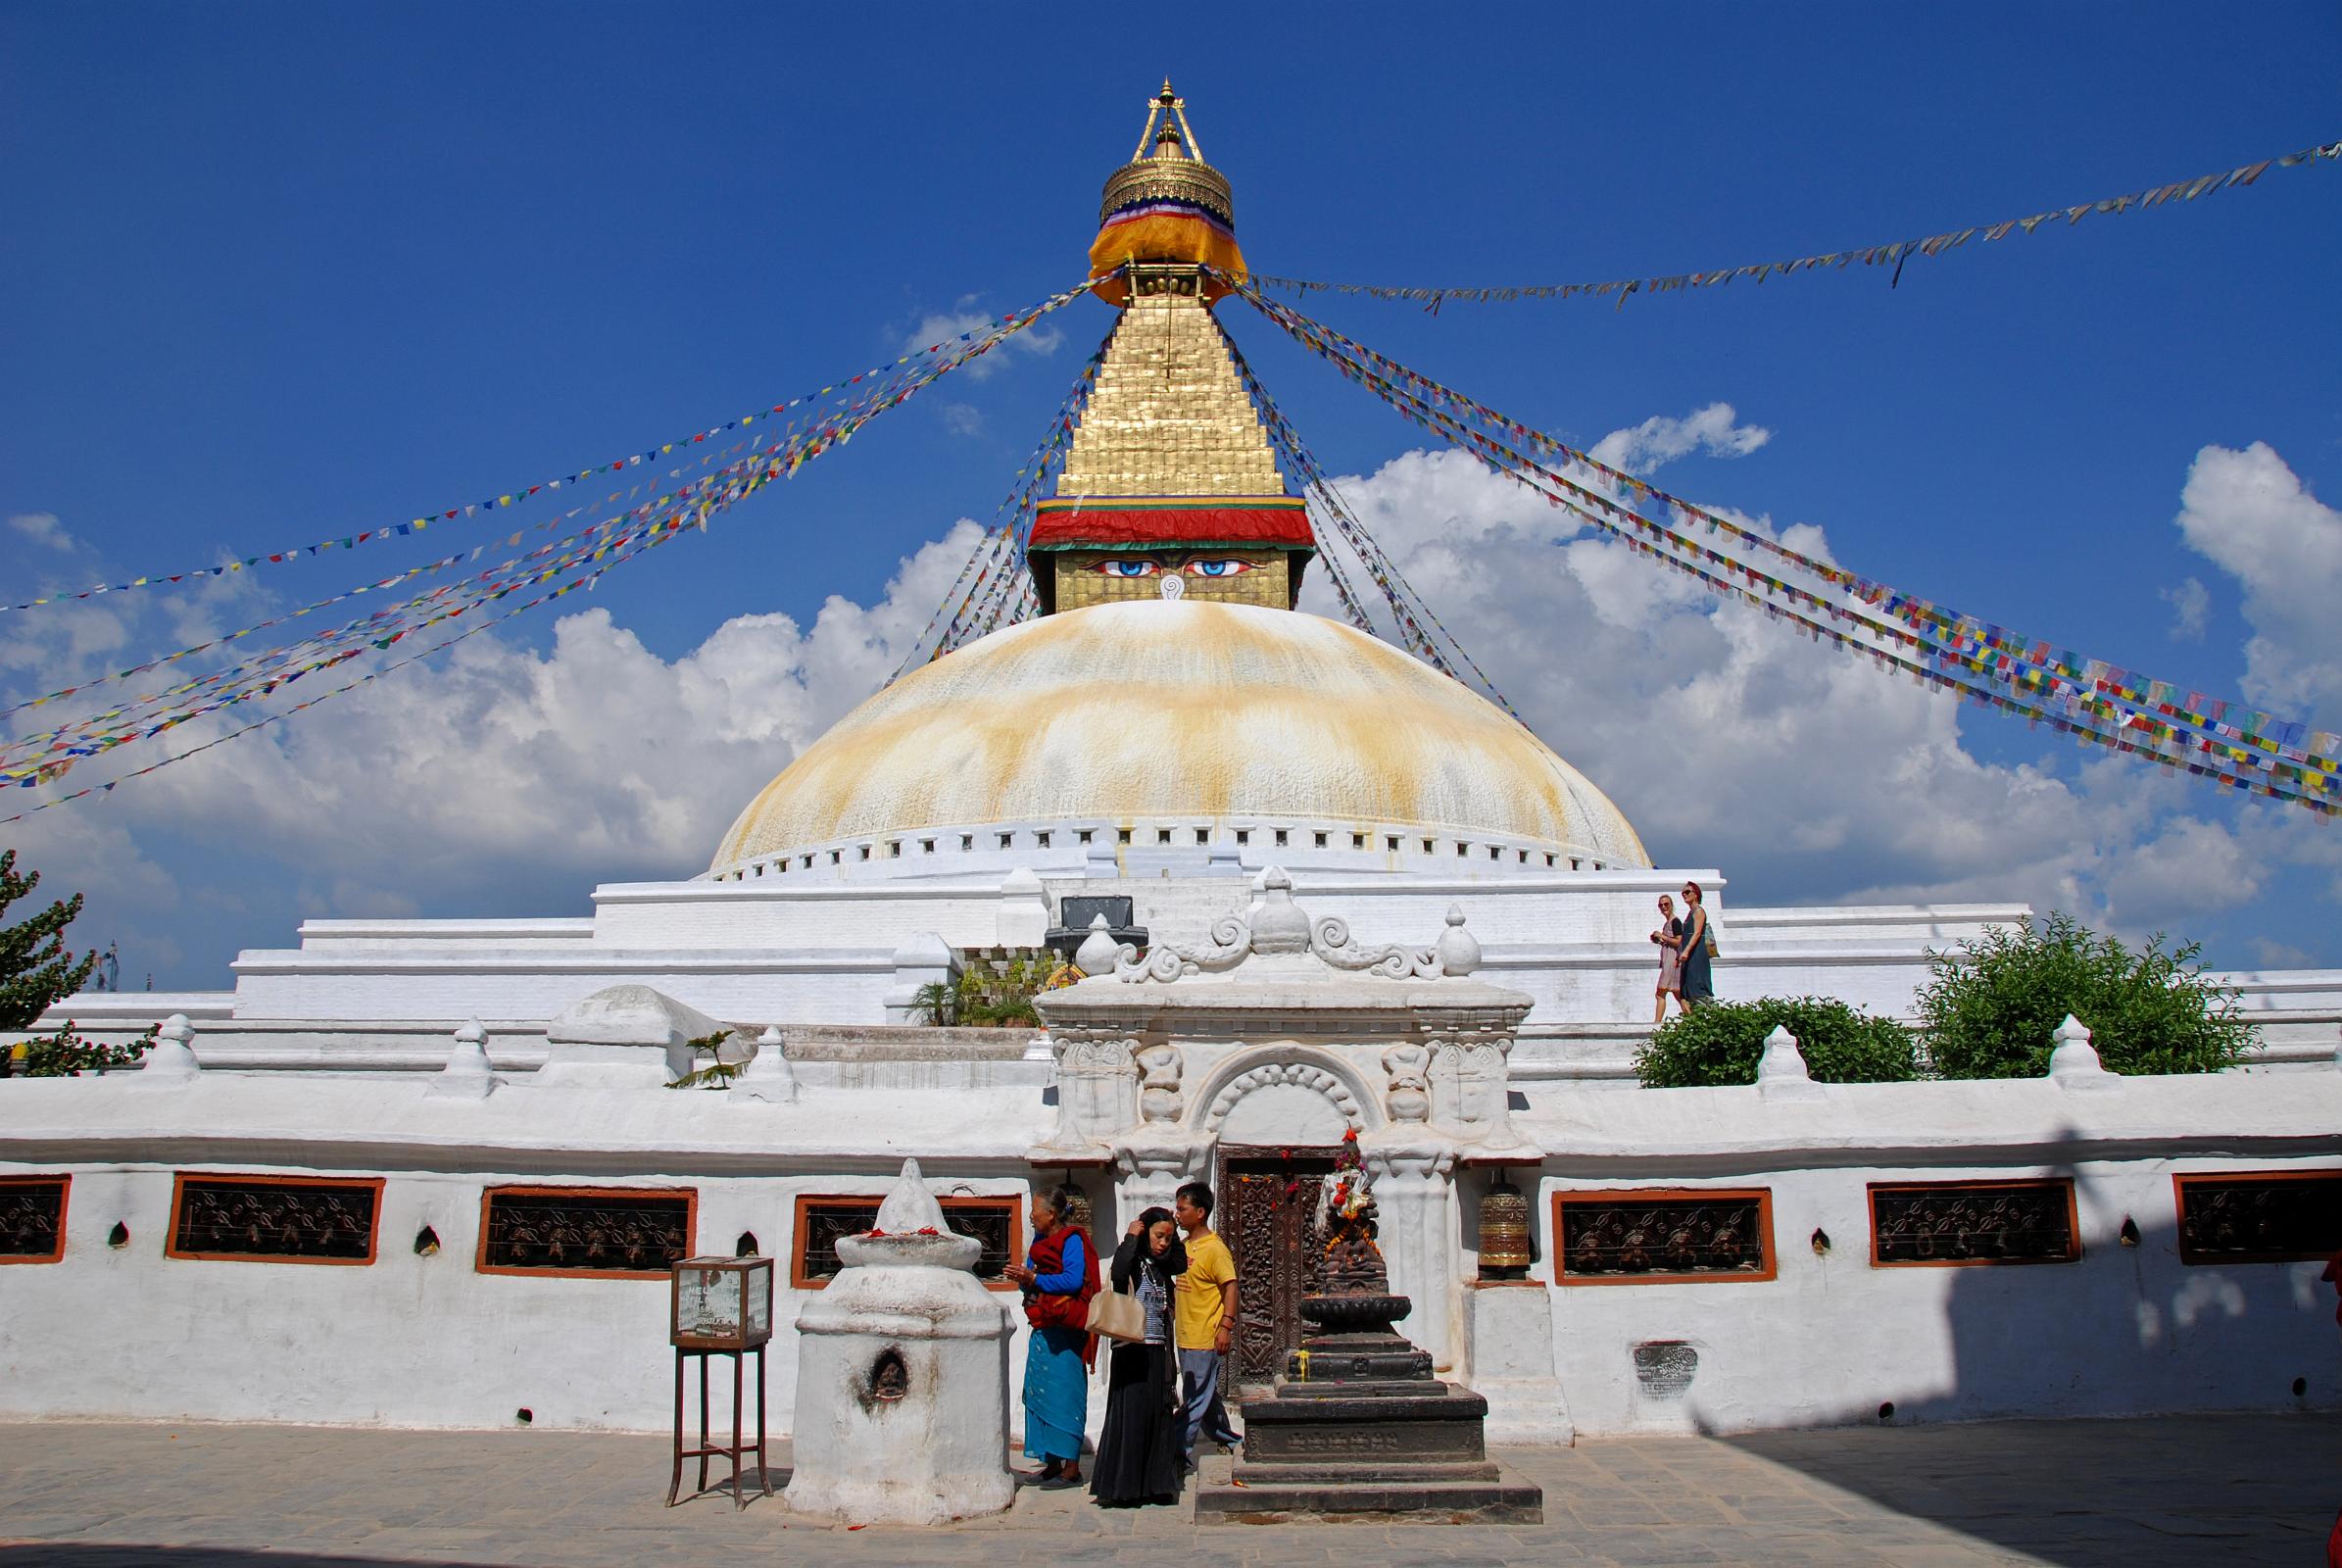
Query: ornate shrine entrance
column 1268, row 1201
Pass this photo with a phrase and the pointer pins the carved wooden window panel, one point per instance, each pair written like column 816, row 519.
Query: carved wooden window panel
column 32, row 1218
column 1935, row 1224
column 1658, row 1235
column 633, row 1233
column 995, row 1222
column 275, row 1219
column 2269, row 1216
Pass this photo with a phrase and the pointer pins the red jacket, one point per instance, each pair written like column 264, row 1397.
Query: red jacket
column 1051, row 1309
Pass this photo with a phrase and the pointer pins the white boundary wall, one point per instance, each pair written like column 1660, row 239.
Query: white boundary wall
column 428, row 1342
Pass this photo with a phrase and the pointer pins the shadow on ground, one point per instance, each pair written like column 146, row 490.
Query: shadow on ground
column 2177, row 1490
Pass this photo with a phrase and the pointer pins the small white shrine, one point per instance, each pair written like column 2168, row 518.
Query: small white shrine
column 902, row 1376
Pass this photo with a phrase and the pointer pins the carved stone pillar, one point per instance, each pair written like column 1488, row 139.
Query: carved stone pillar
column 1098, row 1087
column 1470, row 1082
column 1413, row 1179
column 1149, row 1165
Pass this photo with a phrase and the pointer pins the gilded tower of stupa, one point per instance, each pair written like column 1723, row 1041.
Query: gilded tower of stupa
column 1169, row 488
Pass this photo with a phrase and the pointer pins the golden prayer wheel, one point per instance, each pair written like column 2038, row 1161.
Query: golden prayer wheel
column 1503, row 1233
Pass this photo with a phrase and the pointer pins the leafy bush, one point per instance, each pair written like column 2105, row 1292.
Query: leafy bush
column 1718, row 1043
column 66, row 1054
column 716, row 1073
column 1003, row 998
column 937, row 1004
column 1992, row 1012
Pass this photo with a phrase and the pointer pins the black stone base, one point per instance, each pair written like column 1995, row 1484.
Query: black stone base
column 1376, row 1434
column 1379, row 1357
column 1506, row 1499
column 1360, row 1429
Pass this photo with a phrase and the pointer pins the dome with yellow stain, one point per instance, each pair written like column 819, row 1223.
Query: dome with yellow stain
column 1176, row 721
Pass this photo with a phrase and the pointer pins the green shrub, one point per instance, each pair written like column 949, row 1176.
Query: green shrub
column 1718, row 1043
column 1993, row 1010
column 986, row 998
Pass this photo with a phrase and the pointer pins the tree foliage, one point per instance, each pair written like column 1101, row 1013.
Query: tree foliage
column 36, row 967
column 37, row 970
column 1993, row 1010
column 1003, row 998
column 1718, row 1043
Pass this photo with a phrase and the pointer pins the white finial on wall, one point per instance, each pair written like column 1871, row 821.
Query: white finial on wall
column 2074, row 1064
column 173, row 1058
column 1782, row 1072
column 465, row 1075
column 767, row 1077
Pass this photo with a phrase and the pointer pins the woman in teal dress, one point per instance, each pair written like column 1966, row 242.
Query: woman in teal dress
column 1058, row 1277
column 1692, row 946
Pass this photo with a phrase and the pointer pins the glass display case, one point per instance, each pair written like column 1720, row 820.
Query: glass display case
column 722, row 1304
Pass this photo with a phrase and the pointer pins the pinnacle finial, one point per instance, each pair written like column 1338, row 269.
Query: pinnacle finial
column 1167, row 128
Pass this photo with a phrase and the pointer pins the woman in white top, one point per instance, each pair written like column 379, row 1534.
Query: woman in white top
column 1671, row 963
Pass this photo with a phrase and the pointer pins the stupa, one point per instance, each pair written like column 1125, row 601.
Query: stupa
column 1172, row 693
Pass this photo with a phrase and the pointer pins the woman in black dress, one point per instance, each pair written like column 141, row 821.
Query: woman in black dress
column 1138, row 1450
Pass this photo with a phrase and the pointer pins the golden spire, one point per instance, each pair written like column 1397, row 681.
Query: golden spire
column 1169, row 481
column 1166, row 107
column 1165, row 205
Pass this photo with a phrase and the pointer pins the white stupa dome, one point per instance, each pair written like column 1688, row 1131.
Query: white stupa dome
column 1187, row 713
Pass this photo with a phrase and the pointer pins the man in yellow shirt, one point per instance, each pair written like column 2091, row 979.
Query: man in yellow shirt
column 1207, row 1314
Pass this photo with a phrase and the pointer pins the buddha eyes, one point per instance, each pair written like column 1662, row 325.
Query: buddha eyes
column 1211, row 567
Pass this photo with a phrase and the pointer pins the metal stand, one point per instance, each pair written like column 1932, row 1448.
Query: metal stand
column 706, row 1450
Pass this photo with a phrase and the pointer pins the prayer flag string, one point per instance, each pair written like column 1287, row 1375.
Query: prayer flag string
column 598, row 549
column 2087, row 699
column 1000, row 590
column 1893, row 255
column 520, row 494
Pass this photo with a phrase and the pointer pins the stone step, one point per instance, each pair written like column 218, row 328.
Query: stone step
column 1352, row 1388
column 1254, row 1474
column 1508, row 1499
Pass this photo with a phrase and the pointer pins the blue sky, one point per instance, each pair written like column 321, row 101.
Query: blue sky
column 276, row 272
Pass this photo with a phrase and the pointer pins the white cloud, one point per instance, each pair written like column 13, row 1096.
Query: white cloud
column 2248, row 512
column 2191, row 609
column 1713, row 430
column 43, row 528
column 2275, row 954
column 962, row 418
column 1805, row 773
column 1039, row 340
column 495, row 767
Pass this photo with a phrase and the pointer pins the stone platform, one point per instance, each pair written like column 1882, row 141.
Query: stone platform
column 1366, row 1452
column 2170, row 1491
column 1359, row 1429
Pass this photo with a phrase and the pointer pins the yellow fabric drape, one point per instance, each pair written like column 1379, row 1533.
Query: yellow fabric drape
column 1163, row 237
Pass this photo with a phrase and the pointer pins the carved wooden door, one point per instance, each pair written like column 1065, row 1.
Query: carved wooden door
column 1268, row 1203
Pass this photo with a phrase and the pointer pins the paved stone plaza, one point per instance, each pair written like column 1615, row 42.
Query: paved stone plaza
column 2178, row 1491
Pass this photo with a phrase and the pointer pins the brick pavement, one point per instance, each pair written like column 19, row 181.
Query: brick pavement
column 2145, row 1494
